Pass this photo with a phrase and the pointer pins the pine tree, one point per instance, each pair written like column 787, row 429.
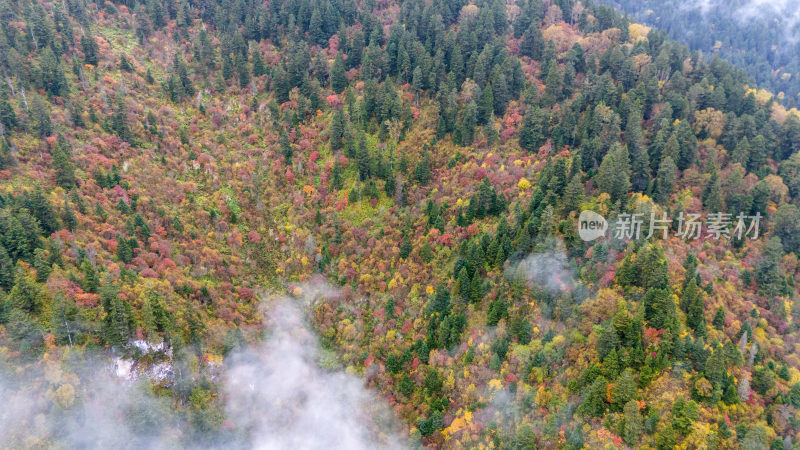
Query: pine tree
column 315, row 28
column 672, row 149
column 690, row 292
column 573, row 194
column 286, row 148
column 6, row 270
column 62, row 163
column 688, row 145
column 90, row 281
column 338, row 78
column 712, row 194
column 124, row 251
column 532, row 44
column 68, row 216
column 7, row 115
column 633, row 423
column 118, row 331
column 423, row 171
column 259, row 66
column 405, row 247
column 463, row 284
column 640, row 160
column 758, row 153
column 640, row 169
column 489, row 131
column 665, row 180
column 63, row 319
column 337, row 129
column 719, row 318
column 90, row 48
column 695, row 311
column 242, row 70
column 38, row 205
column 363, row 160
column 44, row 125
column 660, row 309
column 469, row 120
column 593, row 404
column 613, row 174
column 768, row 271
column 26, row 295
column 534, row 129
column 119, row 121
column 124, row 64
column 624, row 390
column 741, row 154
column 476, row 289
column 553, row 91
column 486, row 105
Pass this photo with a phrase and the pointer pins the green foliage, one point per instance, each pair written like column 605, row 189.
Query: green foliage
column 613, row 174
column 684, row 415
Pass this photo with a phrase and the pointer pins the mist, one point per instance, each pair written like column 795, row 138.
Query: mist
column 282, row 398
column 549, row 270
column 275, row 395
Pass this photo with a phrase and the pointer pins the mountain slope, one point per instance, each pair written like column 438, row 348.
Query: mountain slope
column 168, row 165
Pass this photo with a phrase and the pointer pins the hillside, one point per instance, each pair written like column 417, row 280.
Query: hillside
column 758, row 36
column 356, row 224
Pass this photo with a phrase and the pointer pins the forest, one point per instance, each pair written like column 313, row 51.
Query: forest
column 354, row 224
column 758, row 36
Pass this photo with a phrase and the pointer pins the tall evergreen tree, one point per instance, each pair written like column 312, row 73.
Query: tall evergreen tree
column 338, row 78
column 8, row 118
column 119, row 120
column 741, row 154
column 712, row 194
column 534, row 129
column 665, row 180
column 613, row 175
column 486, row 105
column 62, row 163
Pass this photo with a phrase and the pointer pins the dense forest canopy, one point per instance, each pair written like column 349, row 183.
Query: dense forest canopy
column 760, row 36
column 409, row 176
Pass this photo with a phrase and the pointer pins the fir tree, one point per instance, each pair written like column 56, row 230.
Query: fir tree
column 338, row 127
column 741, row 154
column 338, row 78
column 532, row 134
column 62, row 163
column 7, row 115
column 613, row 174
column 712, row 194
column 665, row 180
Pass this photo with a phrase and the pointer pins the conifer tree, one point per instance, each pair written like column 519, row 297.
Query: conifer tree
column 534, row 127
column 44, row 126
column 27, row 295
column 573, row 194
column 758, row 153
column 712, row 194
column 8, row 118
column 665, row 180
column 119, row 121
column 338, row 127
column 90, row 48
column 486, row 105
column 62, row 163
column 338, row 78
column 613, row 175
column 741, row 154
